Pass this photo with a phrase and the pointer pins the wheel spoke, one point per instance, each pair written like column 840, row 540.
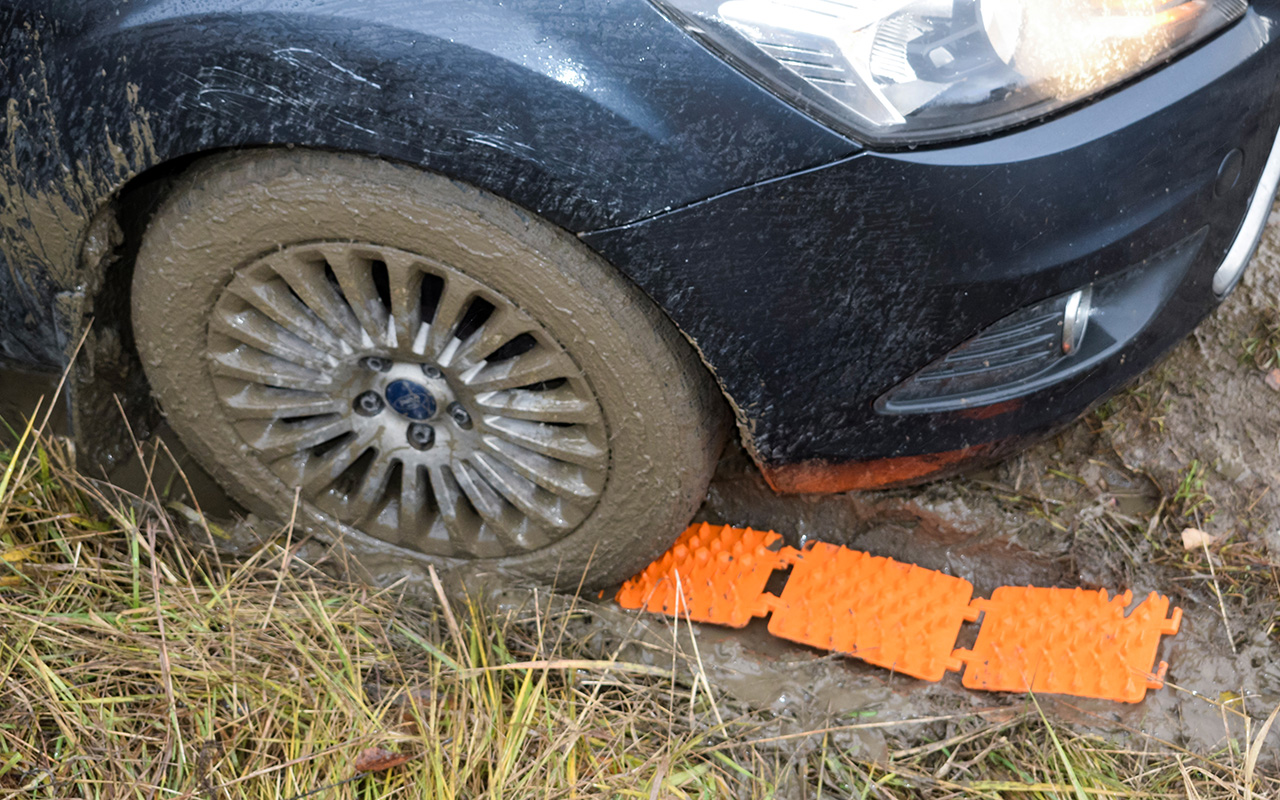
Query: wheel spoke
column 448, row 495
column 535, row 503
column 502, row 326
column 320, row 472
column 562, row 404
column 413, row 502
column 355, row 276
column 455, row 296
column 537, row 366
column 482, row 497
column 307, row 279
column 255, row 401
column 557, row 477
column 276, row 438
column 270, row 295
column 363, row 501
column 405, row 278
column 250, row 364
column 492, row 508
column 564, row 444
column 461, row 523
column 253, row 328
column 274, row 300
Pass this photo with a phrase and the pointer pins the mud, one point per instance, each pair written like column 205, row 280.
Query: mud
column 21, row 394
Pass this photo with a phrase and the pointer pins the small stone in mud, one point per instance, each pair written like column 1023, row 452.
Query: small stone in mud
column 1273, row 380
column 1194, row 539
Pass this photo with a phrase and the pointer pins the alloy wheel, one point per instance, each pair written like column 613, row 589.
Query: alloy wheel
column 407, row 399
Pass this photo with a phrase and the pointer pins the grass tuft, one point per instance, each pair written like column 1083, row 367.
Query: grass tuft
column 1261, row 348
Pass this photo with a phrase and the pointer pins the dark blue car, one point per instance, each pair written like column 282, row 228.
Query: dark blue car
column 494, row 280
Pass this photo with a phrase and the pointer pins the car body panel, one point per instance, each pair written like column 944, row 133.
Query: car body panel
column 848, row 278
column 811, row 274
column 590, row 115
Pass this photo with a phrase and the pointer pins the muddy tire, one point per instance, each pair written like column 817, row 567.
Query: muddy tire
column 433, row 374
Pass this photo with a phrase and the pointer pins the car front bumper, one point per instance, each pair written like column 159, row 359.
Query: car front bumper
column 814, row 294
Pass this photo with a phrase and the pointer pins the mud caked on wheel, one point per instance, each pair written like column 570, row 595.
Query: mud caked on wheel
column 421, row 367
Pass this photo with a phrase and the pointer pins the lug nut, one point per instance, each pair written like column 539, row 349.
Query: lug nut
column 375, row 364
column 460, row 415
column 369, row 404
column 421, row 436
column 431, row 372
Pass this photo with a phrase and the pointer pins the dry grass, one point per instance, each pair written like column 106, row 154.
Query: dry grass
column 135, row 662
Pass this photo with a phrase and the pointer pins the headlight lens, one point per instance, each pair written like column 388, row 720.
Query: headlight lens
column 894, row 71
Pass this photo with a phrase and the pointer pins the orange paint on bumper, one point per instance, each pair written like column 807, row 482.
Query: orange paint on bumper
column 821, row 477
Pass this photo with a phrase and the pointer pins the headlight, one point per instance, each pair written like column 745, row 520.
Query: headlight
column 895, row 71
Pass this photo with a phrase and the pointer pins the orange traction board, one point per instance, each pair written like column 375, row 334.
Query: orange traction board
column 1069, row 641
column 894, row 615
column 907, row 618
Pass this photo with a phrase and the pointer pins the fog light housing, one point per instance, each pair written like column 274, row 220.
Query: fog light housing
column 1047, row 342
column 1017, row 347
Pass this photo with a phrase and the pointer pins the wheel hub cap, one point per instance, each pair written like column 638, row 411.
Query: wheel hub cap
column 407, row 399
column 410, row 400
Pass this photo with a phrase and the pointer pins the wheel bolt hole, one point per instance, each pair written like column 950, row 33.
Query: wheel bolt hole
column 375, row 364
column 460, row 416
column 421, row 436
column 431, row 372
column 368, row 404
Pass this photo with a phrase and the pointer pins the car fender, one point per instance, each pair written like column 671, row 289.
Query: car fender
column 590, row 115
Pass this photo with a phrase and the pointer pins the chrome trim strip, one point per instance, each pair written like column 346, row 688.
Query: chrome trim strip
column 1076, row 319
column 1250, row 233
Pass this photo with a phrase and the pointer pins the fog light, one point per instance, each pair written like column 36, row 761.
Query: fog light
column 1012, row 350
column 1076, row 319
column 1049, row 342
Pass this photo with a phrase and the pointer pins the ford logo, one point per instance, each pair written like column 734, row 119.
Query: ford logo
column 411, row 400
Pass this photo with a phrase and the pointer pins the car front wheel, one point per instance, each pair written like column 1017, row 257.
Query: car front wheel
column 421, row 367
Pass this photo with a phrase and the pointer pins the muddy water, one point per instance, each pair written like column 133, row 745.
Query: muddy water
column 174, row 473
column 176, row 476
column 21, row 394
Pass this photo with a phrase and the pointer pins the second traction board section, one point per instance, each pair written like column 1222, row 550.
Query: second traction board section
column 907, row 618
column 894, row 615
